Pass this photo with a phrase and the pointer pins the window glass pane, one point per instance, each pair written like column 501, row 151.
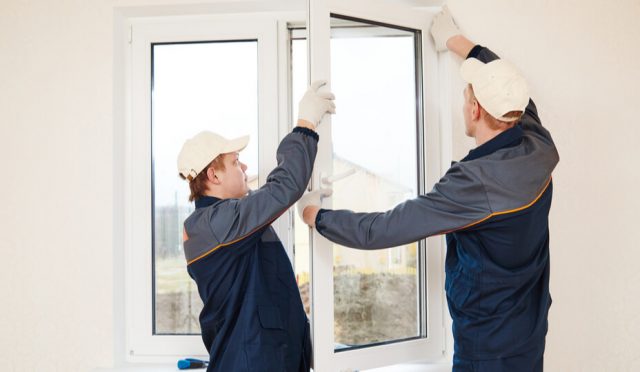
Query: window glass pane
column 196, row 86
column 376, row 293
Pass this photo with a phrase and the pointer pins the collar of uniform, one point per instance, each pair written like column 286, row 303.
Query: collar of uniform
column 206, row 201
column 508, row 138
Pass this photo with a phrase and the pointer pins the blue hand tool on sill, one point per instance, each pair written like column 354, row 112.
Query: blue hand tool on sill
column 192, row 363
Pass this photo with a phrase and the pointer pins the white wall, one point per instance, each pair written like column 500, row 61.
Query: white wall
column 57, row 130
column 582, row 61
column 56, row 204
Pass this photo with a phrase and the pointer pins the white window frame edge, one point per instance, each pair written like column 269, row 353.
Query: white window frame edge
column 446, row 73
column 430, row 349
column 284, row 224
column 140, row 345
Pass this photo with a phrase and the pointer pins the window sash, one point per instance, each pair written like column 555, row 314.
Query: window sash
column 141, row 344
column 431, row 347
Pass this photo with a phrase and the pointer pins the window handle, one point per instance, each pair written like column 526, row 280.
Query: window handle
column 329, row 180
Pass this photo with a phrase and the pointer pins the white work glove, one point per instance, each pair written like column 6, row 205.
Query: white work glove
column 314, row 104
column 312, row 198
column 443, row 28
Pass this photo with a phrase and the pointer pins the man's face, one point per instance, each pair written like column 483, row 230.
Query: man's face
column 470, row 104
column 233, row 178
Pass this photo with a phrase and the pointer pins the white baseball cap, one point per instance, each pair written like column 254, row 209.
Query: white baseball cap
column 497, row 85
column 200, row 150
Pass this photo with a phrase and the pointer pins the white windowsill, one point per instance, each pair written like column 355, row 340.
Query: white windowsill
column 149, row 367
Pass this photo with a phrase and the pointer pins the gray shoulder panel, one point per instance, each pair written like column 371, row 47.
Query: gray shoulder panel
column 513, row 177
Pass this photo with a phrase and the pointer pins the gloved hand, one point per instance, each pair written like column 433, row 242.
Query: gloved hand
column 443, row 28
column 312, row 198
column 314, row 104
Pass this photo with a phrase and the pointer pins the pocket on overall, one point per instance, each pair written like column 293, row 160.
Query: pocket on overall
column 266, row 352
column 270, row 317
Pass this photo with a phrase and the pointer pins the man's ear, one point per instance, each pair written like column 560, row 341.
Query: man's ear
column 475, row 110
column 212, row 176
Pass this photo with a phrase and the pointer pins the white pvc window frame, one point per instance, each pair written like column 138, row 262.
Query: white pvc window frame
column 431, row 347
column 275, row 121
column 141, row 343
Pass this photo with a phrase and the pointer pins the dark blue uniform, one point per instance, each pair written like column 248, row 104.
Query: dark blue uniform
column 494, row 206
column 253, row 318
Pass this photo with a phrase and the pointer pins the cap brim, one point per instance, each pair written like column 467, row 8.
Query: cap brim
column 236, row 144
column 469, row 69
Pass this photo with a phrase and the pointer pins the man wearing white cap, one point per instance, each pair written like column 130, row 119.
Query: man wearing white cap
column 253, row 318
column 493, row 206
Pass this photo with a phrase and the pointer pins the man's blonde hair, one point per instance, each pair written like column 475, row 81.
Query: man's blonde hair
column 494, row 123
